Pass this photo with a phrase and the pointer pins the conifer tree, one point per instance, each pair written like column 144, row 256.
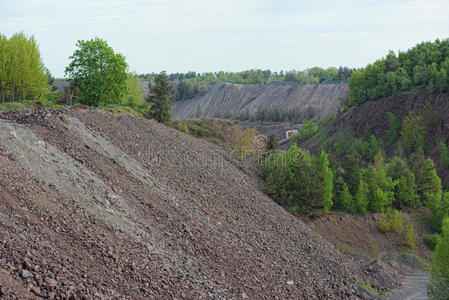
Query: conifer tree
column 160, row 99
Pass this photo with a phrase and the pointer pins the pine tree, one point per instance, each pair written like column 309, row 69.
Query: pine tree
column 346, row 198
column 160, row 99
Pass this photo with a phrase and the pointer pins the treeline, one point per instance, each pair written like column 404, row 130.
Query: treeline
column 22, row 72
column 426, row 65
column 257, row 76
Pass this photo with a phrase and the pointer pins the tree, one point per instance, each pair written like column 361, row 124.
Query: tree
column 328, row 182
column 134, row 95
column 22, row 72
column 99, row 72
column 426, row 178
column 272, row 143
column 405, row 190
column 307, row 131
column 346, row 198
column 439, row 286
column 160, row 98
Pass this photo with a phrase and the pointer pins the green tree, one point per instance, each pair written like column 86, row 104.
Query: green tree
column 346, row 198
column 99, row 72
column 405, row 191
column 134, row 96
column 22, row 72
column 307, row 131
column 160, row 99
column 272, row 143
column 426, row 178
column 328, row 182
column 444, row 153
column 439, row 286
column 361, row 197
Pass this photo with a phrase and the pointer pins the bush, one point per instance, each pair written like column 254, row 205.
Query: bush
column 383, row 224
column 439, row 287
column 444, row 153
column 409, row 239
column 397, row 221
column 307, row 131
column 431, row 240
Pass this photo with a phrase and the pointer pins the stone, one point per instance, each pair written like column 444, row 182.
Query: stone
column 26, row 274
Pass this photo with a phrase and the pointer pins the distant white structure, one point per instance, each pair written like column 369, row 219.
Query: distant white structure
column 289, row 133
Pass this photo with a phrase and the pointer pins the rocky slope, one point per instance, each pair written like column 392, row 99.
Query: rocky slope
column 97, row 206
column 318, row 99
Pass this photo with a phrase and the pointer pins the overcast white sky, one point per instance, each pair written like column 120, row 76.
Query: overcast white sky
column 230, row 35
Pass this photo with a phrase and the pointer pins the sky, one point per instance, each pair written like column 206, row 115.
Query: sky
column 228, row 35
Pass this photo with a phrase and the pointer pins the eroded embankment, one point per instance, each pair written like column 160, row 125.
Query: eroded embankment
column 96, row 205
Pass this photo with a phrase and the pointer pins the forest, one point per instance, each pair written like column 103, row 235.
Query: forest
column 426, row 65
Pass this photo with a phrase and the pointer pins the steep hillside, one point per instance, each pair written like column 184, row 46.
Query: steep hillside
column 372, row 115
column 100, row 206
column 221, row 98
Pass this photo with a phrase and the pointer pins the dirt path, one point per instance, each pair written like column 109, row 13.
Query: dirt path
column 413, row 286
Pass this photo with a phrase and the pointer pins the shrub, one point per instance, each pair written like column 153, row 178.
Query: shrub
column 383, row 224
column 431, row 240
column 394, row 130
column 439, row 287
column 397, row 221
column 444, row 154
column 409, row 239
column 272, row 143
column 307, row 131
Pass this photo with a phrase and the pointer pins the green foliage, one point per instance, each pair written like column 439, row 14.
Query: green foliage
column 439, row 287
column 361, row 197
column 383, row 224
column 426, row 178
column 405, row 194
column 99, row 73
column 346, row 199
column 160, row 99
column 425, row 64
column 414, row 131
column 257, row 76
column 307, row 131
column 134, row 96
column 444, row 153
column 431, row 240
column 438, row 205
column 394, row 129
column 323, row 121
column 409, row 239
column 397, row 221
column 22, row 72
column 299, row 181
column 244, row 142
column 272, row 143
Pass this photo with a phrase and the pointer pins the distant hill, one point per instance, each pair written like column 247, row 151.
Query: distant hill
column 313, row 100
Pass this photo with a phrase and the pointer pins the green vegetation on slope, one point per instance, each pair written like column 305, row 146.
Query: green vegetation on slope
column 426, row 64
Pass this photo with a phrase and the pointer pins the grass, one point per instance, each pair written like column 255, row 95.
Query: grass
column 370, row 288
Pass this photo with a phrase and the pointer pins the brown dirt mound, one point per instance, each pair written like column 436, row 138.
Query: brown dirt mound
column 97, row 206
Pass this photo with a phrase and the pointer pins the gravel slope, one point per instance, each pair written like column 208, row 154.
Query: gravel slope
column 319, row 99
column 98, row 206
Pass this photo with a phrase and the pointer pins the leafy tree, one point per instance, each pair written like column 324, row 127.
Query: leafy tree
column 307, row 131
column 405, row 191
column 99, row 72
column 22, row 72
column 423, row 65
column 351, row 166
column 439, row 209
column 160, row 99
column 134, row 96
column 439, row 286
